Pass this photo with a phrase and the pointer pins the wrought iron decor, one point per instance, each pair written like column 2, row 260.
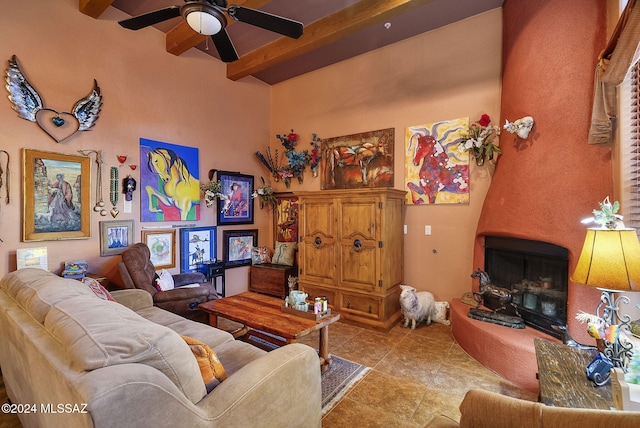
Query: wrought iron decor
column 57, row 125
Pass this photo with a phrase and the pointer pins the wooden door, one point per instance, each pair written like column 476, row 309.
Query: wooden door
column 317, row 241
column 359, row 220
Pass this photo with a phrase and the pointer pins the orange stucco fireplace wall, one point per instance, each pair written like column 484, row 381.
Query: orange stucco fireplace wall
column 545, row 184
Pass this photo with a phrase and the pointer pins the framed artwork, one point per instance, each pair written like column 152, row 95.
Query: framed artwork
column 32, row 258
column 237, row 246
column 235, row 206
column 115, row 236
column 169, row 175
column 56, row 196
column 435, row 171
column 286, row 218
column 197, row 245
column 162, row 245
column 358, row 161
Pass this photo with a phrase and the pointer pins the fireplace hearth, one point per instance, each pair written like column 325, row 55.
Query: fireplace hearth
column 537, row 273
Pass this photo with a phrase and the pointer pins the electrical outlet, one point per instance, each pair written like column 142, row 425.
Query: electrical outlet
column 427, row 230
column 405, row 229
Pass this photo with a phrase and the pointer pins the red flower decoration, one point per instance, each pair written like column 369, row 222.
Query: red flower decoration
column 484, row 120
column 292, row 137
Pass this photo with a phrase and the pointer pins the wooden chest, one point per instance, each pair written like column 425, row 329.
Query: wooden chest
column 271, row 279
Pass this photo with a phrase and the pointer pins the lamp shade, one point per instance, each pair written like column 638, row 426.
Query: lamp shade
column 610, row 259
column 203, row 18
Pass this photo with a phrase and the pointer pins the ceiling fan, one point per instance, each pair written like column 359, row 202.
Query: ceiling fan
column 208, row 17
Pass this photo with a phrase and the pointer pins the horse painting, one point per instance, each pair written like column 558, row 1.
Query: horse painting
column 359, row 160
column 171, row 186
column 442, row 176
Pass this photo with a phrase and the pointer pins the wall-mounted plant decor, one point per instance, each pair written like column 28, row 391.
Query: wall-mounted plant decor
column 57, row 125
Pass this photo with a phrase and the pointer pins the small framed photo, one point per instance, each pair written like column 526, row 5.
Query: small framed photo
column 235, row 206
column 197, row 245
column 115, row 236
column 162, row 245
column 237, row 246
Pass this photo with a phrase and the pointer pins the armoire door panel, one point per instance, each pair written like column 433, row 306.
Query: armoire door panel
column 359, row 268
column 359, row 216
column 317, row 259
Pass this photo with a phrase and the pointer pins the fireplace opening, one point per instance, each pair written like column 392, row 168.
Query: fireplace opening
column 538, row 275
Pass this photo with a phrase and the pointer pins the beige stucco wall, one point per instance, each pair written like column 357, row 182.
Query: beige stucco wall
column 445, row 74
column 147, row 92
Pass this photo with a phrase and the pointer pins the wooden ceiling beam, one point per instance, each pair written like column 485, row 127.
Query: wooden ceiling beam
column 93, row 8
column 322, row 32
column 181, row 38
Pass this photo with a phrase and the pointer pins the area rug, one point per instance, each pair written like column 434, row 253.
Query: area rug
column 337, row 380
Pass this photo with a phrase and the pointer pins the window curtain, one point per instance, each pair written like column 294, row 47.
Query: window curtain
column 613, row 65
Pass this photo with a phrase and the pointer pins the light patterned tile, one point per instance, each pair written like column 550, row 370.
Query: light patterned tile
column 388, row 394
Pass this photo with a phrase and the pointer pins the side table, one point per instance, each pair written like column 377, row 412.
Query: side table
column 213, row 270
column 563, row 379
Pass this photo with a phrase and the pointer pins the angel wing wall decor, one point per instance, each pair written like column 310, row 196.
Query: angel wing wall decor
column 58, row 125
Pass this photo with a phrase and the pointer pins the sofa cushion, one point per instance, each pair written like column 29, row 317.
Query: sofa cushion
column 97, row 289
column 284, row 254
column 211, row 369
column 165, row 281
column 38, row 290
column 213, row 337
column 98, row 333
column 260, row 255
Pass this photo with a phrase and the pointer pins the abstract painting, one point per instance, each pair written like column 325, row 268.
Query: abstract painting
column 435, row 171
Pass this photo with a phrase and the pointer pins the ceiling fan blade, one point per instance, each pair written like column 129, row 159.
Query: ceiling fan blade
column 151, row 18
column 278, row 24
column 224, row 46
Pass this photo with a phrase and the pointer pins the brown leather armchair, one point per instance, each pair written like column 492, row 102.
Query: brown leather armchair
column 137, row 271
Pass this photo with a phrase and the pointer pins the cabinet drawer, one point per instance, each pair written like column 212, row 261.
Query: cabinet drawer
column 360, row 304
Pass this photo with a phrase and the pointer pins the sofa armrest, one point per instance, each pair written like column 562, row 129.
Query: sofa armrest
column 285, row 378
column 507, row 412
column 134, row 299
column 180, row 279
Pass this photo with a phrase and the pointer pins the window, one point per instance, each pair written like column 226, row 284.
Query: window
column 630, row 147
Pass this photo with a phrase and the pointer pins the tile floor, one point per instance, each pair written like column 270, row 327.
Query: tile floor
column 415, row 376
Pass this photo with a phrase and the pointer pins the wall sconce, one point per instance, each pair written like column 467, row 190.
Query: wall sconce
column 520, row 127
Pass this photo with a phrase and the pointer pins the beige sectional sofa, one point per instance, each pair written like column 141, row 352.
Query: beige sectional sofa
column 72, row 359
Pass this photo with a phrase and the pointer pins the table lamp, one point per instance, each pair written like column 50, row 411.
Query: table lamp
column 610, row 262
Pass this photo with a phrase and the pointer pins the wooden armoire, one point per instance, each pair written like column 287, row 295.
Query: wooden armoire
column 351, row 251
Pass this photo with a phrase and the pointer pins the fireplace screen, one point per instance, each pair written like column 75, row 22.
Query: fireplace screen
column 537, row 273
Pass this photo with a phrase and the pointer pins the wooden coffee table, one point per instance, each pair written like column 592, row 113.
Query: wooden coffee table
column 259, row 313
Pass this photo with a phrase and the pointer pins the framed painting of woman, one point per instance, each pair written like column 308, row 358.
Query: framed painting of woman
column 235, row 206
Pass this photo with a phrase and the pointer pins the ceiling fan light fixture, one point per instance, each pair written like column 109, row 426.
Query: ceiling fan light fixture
column 203, row 18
